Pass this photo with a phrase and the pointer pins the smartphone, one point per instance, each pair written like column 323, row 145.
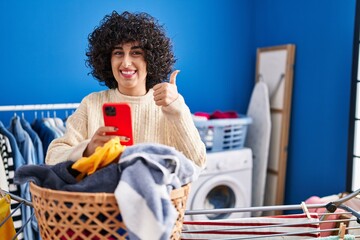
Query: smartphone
column 119, row 115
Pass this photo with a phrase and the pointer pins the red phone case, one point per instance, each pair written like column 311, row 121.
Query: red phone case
column 119, row 115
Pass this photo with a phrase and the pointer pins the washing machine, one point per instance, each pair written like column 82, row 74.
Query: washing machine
column 224, row 183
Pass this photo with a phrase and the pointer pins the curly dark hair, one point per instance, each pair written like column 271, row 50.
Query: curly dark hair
column 128, row 27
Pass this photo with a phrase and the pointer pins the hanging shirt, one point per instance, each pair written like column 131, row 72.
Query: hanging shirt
column 11, row 159
column 38, row 146
column 23, row 140
column 60, row 124
column 50, row 122
column 27, row 150
column 45, row 133
column 4, row 184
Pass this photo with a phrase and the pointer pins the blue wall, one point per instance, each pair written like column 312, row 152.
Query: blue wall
column 43, row 44
column 45, row 41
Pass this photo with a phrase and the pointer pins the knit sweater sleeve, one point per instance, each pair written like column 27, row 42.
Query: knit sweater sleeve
column 184, row 135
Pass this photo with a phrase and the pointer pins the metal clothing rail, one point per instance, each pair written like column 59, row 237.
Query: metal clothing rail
column 330, row 207
column 33, row 107
column 16, row 198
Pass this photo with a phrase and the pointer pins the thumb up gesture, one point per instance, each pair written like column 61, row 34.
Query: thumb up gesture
column 166, row 92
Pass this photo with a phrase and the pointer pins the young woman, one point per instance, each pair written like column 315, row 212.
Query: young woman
column 132, row 56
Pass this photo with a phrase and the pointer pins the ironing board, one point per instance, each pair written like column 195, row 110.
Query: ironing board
column 258, row 139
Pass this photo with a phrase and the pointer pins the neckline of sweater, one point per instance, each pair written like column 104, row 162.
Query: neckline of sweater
column 134, row 99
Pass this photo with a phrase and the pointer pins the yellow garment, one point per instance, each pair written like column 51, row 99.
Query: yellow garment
column 102, row 157
column 7, row 230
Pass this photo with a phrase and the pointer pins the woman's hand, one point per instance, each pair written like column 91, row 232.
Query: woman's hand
column 100, row 138
column 165, row 93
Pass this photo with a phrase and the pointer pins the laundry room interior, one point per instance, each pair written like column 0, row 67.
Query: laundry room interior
column 286, row 69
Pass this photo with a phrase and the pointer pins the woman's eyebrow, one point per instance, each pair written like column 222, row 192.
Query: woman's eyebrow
column 136, row 47
column 132, row 48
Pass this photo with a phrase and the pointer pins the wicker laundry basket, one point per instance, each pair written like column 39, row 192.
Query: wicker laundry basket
column 74, row 215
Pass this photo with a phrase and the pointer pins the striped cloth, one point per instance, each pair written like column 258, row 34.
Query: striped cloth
column 9, row 166
column 270, row 227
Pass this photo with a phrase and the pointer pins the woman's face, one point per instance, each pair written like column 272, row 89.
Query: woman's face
column 129, row 68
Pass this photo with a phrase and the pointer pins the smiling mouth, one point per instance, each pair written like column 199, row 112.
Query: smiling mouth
column 128, row 73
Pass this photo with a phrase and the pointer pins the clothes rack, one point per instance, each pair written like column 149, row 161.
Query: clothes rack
column 38, row 132
column 34, row 107
column 300, row 225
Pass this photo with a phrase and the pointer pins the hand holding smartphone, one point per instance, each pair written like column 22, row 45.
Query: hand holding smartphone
column 119, row 115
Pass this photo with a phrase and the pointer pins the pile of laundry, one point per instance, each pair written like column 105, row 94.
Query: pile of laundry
column 140, row 176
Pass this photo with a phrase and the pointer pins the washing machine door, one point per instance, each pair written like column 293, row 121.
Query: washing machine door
column 220, row 192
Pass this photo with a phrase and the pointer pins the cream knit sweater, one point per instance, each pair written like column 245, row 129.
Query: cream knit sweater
column 171, row 125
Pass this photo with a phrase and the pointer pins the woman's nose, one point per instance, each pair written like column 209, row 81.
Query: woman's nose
column 127, row 61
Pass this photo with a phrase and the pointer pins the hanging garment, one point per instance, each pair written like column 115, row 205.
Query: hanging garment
column 45, row 133
column 258, row 139
column 4, row 184
column 12, row 159
column 59, row 123
column 27, row 150
column 50, row 122
column 38, row 146
column 23, row 140
column 11, row 147
column 7, row 230
column 102, row 157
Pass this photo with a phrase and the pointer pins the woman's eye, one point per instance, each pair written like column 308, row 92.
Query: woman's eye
column 117, row 53
column 137, row 53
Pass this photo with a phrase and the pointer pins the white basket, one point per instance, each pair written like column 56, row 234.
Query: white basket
column 223, row 134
